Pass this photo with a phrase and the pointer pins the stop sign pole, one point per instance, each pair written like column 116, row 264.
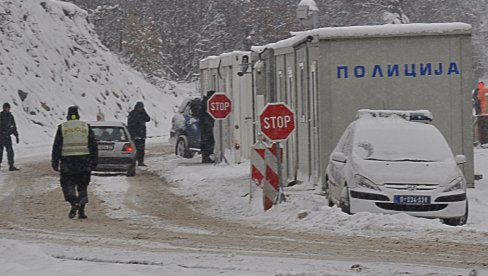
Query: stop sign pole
column 219, row 106
column 277, row 123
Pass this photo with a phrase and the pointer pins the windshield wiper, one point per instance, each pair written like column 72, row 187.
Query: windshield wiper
column 376, row 159
column 399, row 160
column 412, row 160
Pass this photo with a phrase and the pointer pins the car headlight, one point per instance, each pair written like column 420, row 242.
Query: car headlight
column 456, row 184
column 364, row 182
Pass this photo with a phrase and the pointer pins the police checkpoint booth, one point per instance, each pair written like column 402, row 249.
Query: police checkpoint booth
column 224, row 73
column 325, row 75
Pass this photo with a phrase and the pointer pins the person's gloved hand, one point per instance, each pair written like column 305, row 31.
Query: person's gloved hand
column 17, row 139
column 55, row 166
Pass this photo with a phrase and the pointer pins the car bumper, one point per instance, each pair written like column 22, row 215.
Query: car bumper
column 106, row 164
column 442, row 205
column 172, row 137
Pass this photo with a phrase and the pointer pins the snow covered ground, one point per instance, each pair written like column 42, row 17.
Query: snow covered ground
column 20, row 259
column 225, row 189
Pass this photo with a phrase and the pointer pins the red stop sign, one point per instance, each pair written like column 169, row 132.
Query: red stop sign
column 219, row 106
column 277, row 121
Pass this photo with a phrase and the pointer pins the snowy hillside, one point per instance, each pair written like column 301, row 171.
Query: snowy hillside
column 50, row 58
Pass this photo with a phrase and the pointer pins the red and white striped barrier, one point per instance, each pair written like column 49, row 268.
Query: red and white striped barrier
column 271, row 183
column 258, row 163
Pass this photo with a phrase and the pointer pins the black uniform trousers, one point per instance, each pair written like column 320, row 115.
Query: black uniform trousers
column 140, row 149
column 75, row 187
column 6, row 142
column 207, row 141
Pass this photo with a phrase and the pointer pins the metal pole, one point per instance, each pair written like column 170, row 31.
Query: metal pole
column 221, row 155
column 221, row 136
column 281, row 194
column 253, row 104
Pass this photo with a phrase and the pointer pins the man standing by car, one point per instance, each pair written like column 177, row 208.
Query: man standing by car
column 75, row 154
column 8, row 128
column 206, row 133
column 136, row 123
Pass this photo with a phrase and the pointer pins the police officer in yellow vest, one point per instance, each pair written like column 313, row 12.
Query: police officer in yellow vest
column 75, row 154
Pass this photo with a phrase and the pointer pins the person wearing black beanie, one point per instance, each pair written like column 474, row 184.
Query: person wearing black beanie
column 7, row 129
column 136, row 123
column 74, row 155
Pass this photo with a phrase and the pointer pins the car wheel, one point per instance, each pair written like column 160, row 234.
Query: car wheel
column 132, row 170
column 326, row 189
column 458, row 221
column 344, row 202
column 182, row 148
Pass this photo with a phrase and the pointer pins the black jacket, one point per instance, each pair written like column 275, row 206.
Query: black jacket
column 82, row 164
column 206, row 120
column 7, row 126
column 136, row 123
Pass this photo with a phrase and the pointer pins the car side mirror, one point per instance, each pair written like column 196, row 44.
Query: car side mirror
column 460, row 159
column 339, row 157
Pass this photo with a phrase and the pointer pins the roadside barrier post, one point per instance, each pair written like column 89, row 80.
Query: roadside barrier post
column 277, row 122
column 219, row 107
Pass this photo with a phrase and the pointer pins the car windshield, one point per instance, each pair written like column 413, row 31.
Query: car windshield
column 401, row 141
column 184, row 105
column 109, row 133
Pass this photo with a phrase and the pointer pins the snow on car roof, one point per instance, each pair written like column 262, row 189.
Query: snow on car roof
column 392, row 122
column 105, row 123
column 383, row 127
column 421, row 115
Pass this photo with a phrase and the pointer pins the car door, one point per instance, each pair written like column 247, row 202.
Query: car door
column 338, row 167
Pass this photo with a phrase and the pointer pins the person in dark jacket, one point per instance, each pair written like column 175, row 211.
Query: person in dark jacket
column 136, row 123
column 206, row 132
column 7, row 129
column 75, row 155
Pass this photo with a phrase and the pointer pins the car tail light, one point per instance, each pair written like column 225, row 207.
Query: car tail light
column 127, row 148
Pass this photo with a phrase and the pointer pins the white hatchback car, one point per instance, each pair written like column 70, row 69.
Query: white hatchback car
column 394, row 161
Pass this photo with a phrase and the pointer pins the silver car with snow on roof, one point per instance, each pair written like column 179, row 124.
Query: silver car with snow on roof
column 116, row 150
column 395, row 161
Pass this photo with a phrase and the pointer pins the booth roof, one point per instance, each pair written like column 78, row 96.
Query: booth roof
column 416, row 29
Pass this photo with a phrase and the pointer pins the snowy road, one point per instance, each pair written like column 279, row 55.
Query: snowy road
column 139, row 220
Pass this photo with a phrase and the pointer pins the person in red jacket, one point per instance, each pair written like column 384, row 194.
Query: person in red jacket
column 482, row 99
column 474, row 98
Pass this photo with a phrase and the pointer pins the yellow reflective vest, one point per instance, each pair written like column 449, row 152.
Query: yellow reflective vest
column 75, row 138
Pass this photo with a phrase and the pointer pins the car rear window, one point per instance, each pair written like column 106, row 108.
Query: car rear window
column 110, row 133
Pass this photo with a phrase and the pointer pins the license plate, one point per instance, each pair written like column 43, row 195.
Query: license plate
column 105, row 147
column 411, row 199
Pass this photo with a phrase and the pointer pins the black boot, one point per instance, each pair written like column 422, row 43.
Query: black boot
column 206, row 158
column 81, row 212
column 74, row 208
column 12, row 168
